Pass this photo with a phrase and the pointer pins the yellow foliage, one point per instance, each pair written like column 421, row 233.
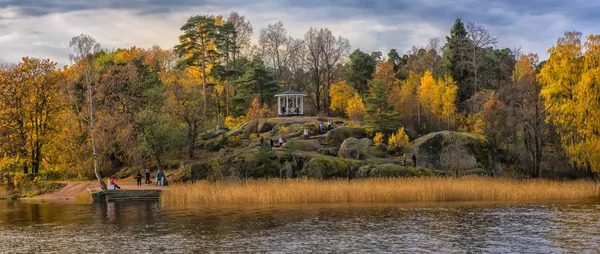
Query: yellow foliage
column 284, row 130
column 356, row 108
column 18, row 179
column 257, row 111
column 398, row 140
column 428, row 92
column 438, row 97
column 235, row 141
column 404, row 97
column 384, row 71
column 570, row 79
column 378, row 139
column 340, row 93
column 232, row 122
column 449, row 93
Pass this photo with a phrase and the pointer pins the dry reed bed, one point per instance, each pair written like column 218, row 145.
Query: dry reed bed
column 433, row 189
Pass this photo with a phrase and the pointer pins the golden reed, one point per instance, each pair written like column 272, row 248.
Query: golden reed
column 430, row 189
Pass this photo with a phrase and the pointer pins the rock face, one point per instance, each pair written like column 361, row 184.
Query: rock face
column 349, row 149
column 455, row 152
column 211, row 134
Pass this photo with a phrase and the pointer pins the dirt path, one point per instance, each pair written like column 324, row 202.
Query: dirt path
column 72, row 189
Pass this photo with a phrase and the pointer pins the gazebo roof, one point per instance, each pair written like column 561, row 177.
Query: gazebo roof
column 290, row 93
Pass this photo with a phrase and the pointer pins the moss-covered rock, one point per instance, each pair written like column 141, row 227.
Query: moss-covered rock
column 337, row 136
column 303, row 145
column 251, row 127
column 326, row 167
column 455, row 151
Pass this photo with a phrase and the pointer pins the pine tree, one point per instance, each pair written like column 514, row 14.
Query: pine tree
column 454, row 58
column 379, row 111
column 256, row 82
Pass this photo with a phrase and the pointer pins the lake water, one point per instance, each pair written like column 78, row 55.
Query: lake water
column 27, row 227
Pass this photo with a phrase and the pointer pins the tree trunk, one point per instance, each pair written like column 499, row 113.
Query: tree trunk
column 158, row 163
column 204, row 85
column 192, row 129
column 93, row 132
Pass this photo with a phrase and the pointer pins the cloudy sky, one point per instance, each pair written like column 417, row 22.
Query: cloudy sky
column 42, row 28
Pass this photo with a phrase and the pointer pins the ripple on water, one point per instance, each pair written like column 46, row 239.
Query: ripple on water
column 149, row 227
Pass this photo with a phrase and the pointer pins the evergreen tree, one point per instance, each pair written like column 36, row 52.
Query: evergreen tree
column 256, row 82
column 455, row 58
column 379, row 111
column 361, row 69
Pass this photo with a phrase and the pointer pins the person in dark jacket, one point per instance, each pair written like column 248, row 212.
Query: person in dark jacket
column 160, row 178
column 147, row 174
column 138, row 179
column 414, row 158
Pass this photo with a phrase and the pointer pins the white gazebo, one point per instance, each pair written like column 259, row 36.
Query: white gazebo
column 290, row 103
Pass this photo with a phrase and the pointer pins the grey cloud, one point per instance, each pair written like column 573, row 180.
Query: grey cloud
column 532, row 24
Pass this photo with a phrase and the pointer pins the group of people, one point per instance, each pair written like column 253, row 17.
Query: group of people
column 262, row 141
column 323, row 128
column 286, row 111
column 160, row 179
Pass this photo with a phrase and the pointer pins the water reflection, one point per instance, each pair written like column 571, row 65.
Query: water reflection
column 150, row 227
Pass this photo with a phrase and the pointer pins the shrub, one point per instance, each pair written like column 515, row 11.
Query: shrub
column 398, row 140
column 378, row 139
column 284, row 130
column 231, row 121
column 235, row 141
column 257, row 111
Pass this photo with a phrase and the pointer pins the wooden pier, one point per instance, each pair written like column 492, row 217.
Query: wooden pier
column 125, row 195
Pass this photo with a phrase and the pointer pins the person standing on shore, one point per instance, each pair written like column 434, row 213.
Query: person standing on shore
column 414, row 158
column 147, row 174
column 138, row 179
column 159, row 178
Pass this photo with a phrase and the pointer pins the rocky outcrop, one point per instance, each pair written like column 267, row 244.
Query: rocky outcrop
column 211, row 134
column 264, row 126
column 349, row 149
column 455, row 152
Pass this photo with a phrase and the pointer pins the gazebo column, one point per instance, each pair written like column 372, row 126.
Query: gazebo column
column 287, row 106
column 279, row 106
column 302, row 105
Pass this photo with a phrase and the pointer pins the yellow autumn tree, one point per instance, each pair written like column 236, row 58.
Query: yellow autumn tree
column 428, row 92
column 378, row 139
column 398, row 140
column 257, row 111
column 356, row 108
column 384, row 72
column 448, row 98
column 340, row 94
column 406, row 100
column 571, row 97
